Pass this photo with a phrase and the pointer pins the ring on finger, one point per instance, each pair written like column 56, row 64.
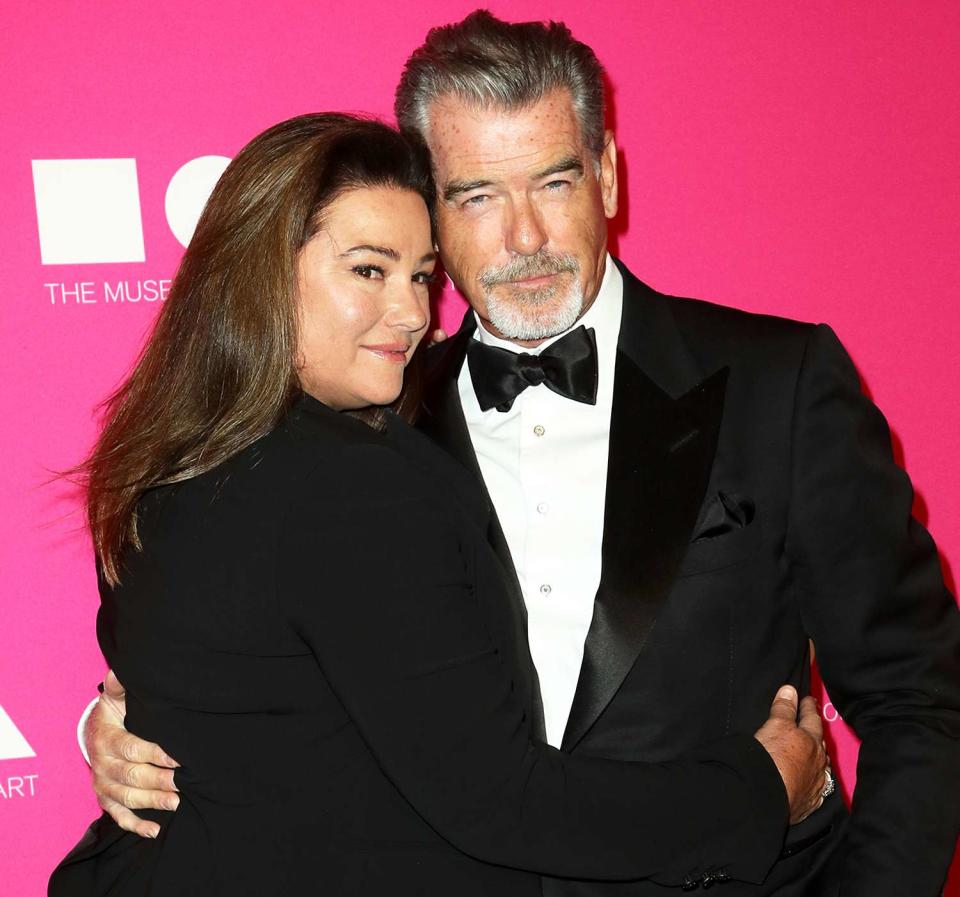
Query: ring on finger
column 829, row 786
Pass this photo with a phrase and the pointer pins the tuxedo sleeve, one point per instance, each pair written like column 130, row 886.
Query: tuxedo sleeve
column 886, row 630
column 379, row 579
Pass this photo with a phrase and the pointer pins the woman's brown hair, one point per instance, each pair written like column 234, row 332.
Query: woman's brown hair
column 219, row 370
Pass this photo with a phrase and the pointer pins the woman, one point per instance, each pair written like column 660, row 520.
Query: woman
column 261, row 526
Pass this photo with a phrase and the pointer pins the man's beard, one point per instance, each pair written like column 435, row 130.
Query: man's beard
column 532, row 314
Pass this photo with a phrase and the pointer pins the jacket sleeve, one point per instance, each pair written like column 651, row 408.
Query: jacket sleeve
column 886, row 630
column 377, row 576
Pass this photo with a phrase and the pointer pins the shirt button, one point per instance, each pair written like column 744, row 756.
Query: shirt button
column 545, row 589
column 543, row 507
column 539, row 430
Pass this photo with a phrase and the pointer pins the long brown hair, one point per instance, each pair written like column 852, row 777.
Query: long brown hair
column 218, row 371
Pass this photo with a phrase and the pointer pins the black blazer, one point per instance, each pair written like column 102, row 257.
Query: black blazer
column 752, row 503
column 318, row 631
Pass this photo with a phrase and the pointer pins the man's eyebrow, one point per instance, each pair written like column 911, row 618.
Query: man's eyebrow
column 455, row 188
column 391, row 254
column 570, row 163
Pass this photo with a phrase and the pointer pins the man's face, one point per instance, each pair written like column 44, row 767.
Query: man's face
column 522, row 212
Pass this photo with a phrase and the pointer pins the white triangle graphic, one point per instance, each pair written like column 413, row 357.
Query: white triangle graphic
column 13, row 746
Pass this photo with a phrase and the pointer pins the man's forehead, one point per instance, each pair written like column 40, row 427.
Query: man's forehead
column 463, row 136
column 462, row 163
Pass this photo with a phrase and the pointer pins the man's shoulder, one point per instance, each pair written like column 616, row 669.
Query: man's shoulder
column 707, row 323
column 713, row 328
column 703, row 315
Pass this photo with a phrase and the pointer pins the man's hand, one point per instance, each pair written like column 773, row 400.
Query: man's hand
column 128, row 773
column 798, row 750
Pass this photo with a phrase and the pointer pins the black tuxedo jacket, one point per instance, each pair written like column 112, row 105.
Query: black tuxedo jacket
column 344, row 709
column 752, row 504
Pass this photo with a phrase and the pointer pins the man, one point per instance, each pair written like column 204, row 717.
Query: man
column 685, row 494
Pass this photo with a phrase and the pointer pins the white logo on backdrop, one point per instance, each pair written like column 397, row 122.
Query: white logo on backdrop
column 88, row 211
column 13, row 746
column 188, row 191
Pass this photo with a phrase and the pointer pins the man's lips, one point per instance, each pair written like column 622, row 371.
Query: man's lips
column 393, row 352
column 537, row 280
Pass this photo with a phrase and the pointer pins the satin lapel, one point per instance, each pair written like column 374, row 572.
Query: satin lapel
column 661, row 453
column 442, row 420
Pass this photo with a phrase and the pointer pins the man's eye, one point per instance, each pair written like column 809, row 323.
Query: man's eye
column 369, row 272
column 477, row 200
column 557, row 185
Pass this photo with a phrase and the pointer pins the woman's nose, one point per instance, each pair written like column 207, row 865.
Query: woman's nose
column 410, row 308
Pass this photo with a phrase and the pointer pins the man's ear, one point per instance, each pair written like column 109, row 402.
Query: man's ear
column 608, row 174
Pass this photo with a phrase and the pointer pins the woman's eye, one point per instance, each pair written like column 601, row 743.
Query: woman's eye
column 424, row 277
column 370, row 272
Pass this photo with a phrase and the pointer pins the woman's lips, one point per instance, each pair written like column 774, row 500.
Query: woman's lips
column 395, row 353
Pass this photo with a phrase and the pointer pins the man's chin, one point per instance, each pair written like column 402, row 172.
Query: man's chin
column 538, row 329
column 516, row 322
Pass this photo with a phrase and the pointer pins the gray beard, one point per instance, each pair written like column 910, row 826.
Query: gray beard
column 533, row 314
column 538, row 315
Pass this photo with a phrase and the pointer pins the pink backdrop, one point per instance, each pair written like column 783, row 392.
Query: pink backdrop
column 797, row 159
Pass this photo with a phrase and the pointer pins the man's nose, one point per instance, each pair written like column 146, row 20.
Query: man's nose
column 525, row 234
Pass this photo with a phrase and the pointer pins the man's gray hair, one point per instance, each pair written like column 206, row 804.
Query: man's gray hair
column 488, row 63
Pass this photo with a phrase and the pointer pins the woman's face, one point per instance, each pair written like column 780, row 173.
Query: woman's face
column 364, row 283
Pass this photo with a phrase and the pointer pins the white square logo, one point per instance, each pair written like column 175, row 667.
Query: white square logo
column 88, row 211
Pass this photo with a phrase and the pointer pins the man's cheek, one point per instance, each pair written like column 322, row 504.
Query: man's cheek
column 461, row 263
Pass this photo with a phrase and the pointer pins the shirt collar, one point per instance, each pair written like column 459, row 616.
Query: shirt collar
column 603, row 316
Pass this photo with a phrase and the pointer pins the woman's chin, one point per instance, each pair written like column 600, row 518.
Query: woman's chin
column 382, row 395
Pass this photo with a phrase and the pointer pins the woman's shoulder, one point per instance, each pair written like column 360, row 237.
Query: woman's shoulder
column 353, row 464
column 447, row 476
column 316, row 426
column 335, row 457
column 272, row 468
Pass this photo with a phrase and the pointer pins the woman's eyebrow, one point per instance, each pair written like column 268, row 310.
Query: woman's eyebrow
column 367, row 247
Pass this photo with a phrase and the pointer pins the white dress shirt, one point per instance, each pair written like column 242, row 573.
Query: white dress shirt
column 545, row 466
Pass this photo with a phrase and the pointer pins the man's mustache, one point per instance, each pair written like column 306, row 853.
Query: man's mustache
column 526, row 267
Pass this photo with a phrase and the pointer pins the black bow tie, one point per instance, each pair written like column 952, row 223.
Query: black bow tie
column 568, row 367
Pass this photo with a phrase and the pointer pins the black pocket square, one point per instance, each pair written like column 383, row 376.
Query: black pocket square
column 724, row 513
